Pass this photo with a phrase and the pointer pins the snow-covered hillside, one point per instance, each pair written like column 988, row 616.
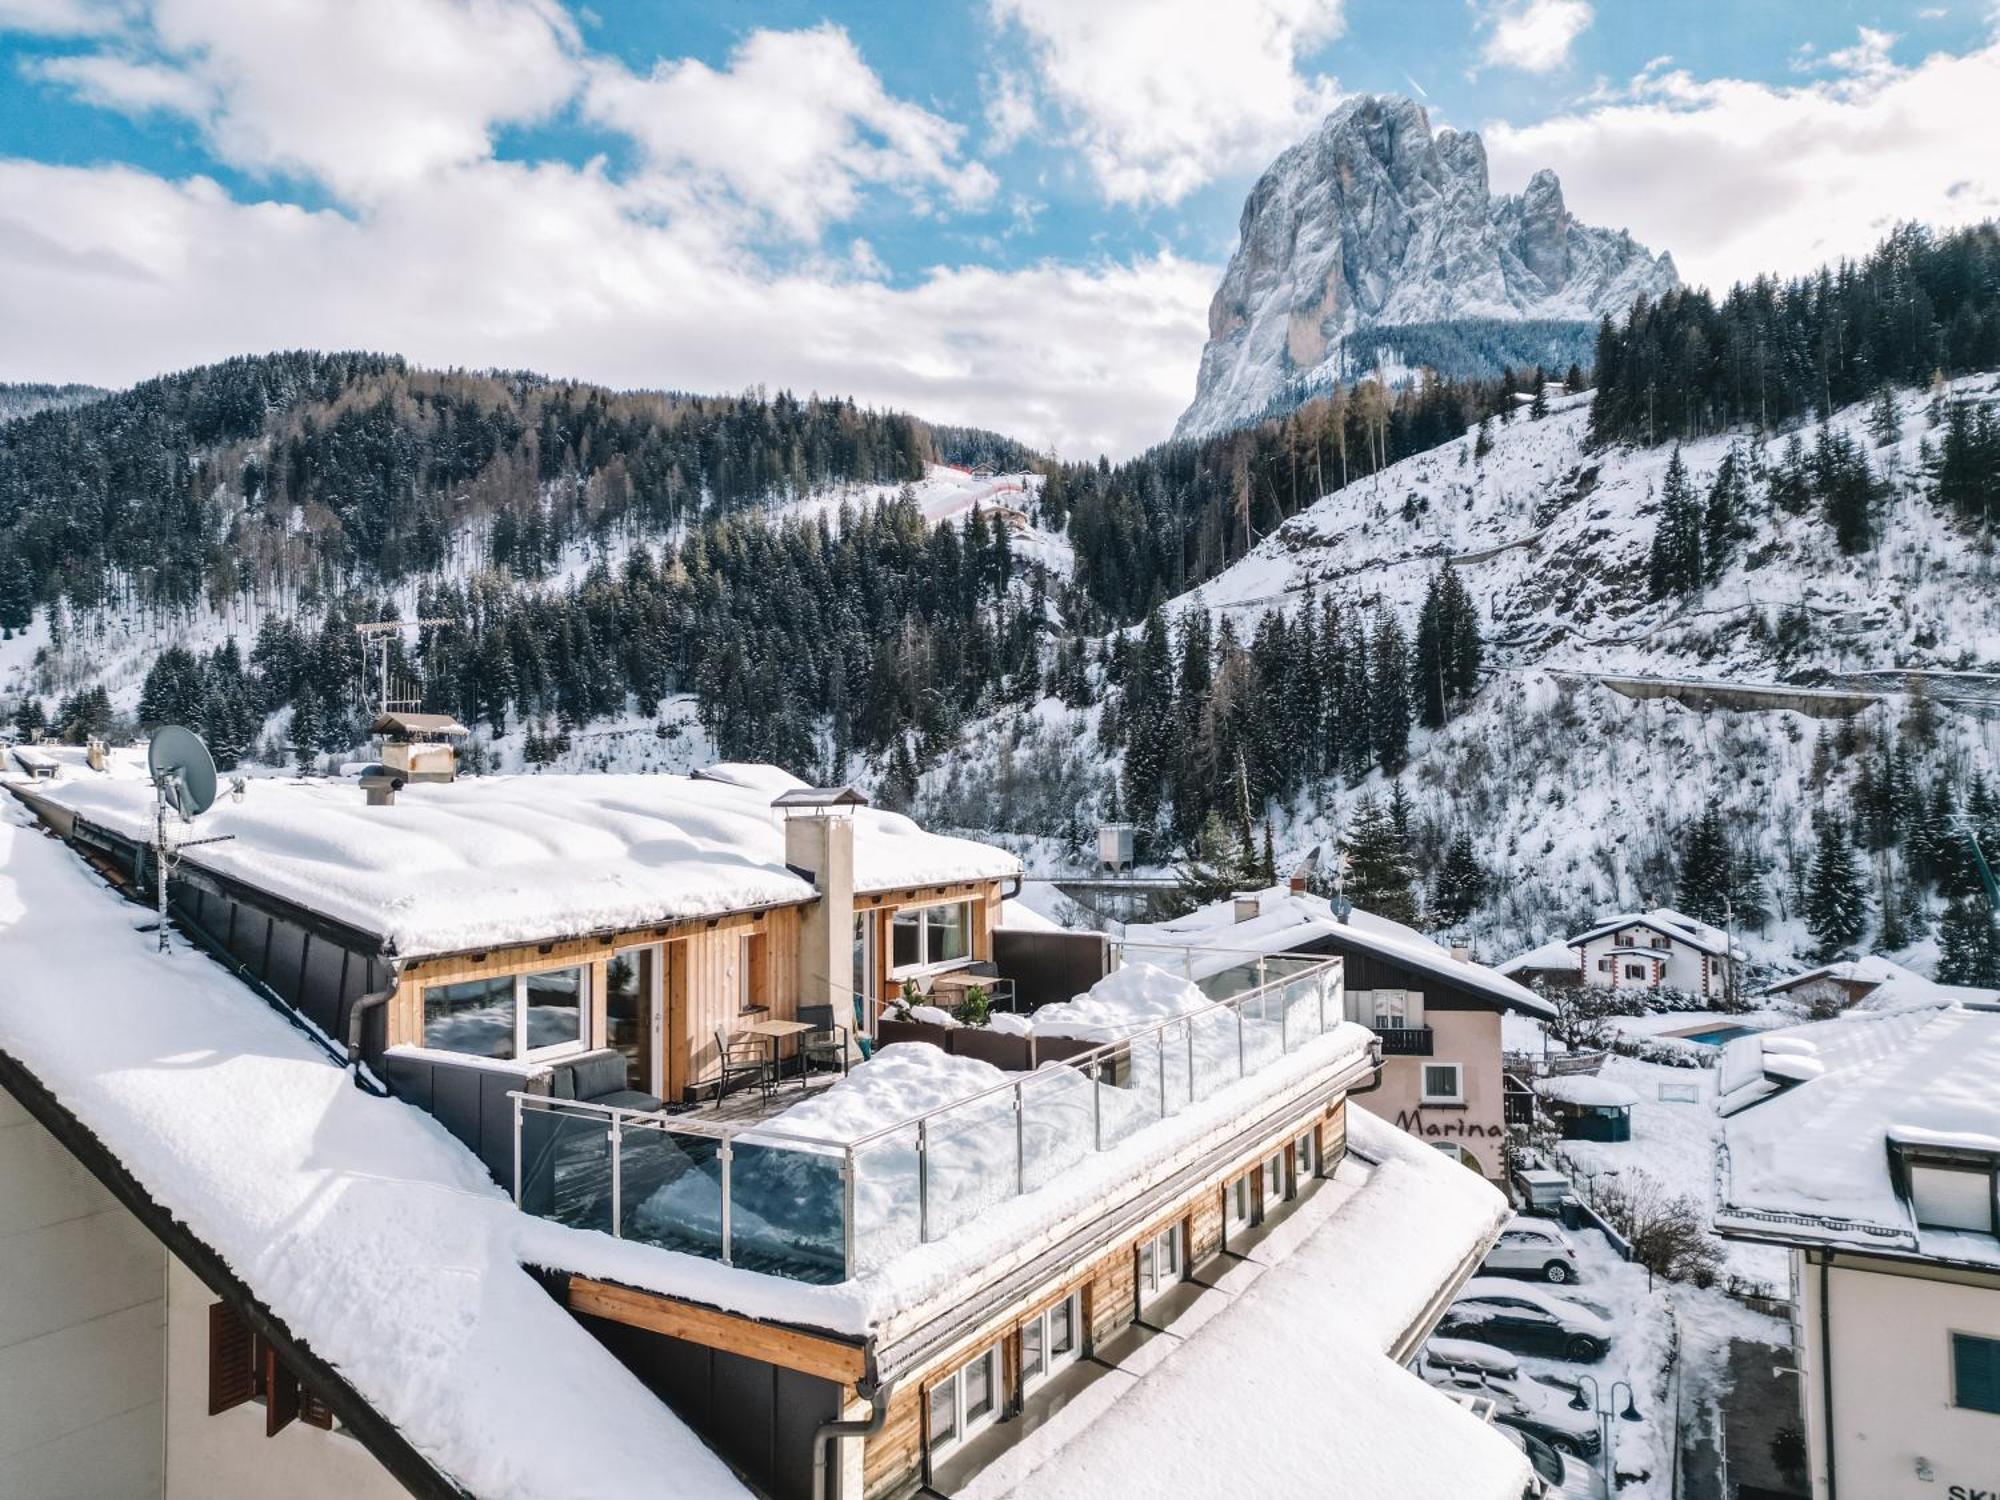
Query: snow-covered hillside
column 1577, row 793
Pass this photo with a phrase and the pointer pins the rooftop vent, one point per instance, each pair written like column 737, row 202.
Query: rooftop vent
column 816, row 799
column 417, row 746
column 381, row 783
column 1249, row 905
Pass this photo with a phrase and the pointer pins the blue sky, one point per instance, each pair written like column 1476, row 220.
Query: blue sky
column 1009, row 211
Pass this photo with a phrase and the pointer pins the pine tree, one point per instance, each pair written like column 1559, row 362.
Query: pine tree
column 1214, row 865
column 1676, row 564
column 1389, row 694
column 1461, row 881
column 1723, row 521
column 1706, row 877
column 1884, row 426
column 1379, row 875
column 306, row 727
column 1836, row 901
column 1969, row 944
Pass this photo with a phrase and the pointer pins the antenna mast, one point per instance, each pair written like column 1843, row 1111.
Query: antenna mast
column 384, row 631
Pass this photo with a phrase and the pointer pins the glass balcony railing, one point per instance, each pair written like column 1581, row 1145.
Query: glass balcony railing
column 823, row 1210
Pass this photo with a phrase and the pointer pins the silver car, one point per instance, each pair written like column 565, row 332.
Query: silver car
column 1533, row 1247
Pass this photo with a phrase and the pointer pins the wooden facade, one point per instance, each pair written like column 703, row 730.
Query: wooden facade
column 720, row 973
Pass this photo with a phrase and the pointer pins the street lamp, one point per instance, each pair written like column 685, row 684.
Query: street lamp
column 1630, row 1413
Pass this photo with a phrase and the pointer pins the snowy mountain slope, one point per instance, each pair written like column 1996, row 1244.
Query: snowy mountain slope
column 1577, row 796
column 1374, row 222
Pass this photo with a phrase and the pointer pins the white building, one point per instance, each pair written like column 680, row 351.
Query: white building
column 1869, row 1145
column 1659, row 950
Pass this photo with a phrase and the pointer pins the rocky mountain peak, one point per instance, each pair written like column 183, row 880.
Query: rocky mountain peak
column 1377, row 222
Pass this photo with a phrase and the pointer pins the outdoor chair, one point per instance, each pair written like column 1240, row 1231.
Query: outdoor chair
column 825, row 1043
column 745, row 1059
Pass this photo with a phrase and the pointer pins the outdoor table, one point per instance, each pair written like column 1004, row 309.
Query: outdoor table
column 774, row 1032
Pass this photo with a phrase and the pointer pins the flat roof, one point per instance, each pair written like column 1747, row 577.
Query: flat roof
column 492, row 861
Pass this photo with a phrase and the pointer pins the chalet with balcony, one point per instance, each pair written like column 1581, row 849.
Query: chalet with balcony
column 728, row 1250
column 1435, row 1012
column 1656, row 950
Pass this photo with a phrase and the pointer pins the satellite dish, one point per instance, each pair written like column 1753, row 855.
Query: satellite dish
column 182, row 770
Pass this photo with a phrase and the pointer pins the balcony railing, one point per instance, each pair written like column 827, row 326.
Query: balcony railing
column 826, row 1210
column 1404, row 1041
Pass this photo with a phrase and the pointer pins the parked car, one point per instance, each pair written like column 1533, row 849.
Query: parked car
column 1533, row 1247
column 1561, row 1478
column 1530, row 1406
column 1526, row 1319
column 1459, row 1356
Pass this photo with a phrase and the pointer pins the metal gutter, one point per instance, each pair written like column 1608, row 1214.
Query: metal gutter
column 382, row 1439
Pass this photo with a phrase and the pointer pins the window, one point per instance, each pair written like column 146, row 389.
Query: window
column 1159, row 1264
column 1660, row 943
column 1051, row 1341
column 1305, row 1156
column 1975, row 1373
column 1236, row 1204
column 1273, row 1172
column 753, row 990
column 1392, row 1007
column 1604, row 966
column 509, row 1016
column 1959, row 1196
column 1443, row 1084
column 1635, row 971
column 965, row 1402
column 930, row 937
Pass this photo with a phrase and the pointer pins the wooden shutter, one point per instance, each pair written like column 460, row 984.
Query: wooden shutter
column 281, row 1392
column 232, row 1367
column 313, row 1411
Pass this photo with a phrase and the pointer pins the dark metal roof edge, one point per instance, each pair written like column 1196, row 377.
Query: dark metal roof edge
column 376, row 1433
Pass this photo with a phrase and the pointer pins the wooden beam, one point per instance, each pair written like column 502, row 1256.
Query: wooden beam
column 809, row 1354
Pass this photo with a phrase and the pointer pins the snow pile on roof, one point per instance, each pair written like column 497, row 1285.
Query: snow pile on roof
column 1554, row 956
column 491, row 860
column 1122, row 1002
column 1889, row 985
column 1819, row 1149
column 1289, row 921
column 370, row 1233
column 1586, row 1092
column 1237, row 1410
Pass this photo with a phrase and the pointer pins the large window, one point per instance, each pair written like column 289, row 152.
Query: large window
column 1236, row 1204
column 965, row 1402
column 1273, row 1172
column 1159, row 1264
column 511, row 1016
column 1975, row 1373
column 1443, row 1084
column 1051, row 1341
column 930, row 937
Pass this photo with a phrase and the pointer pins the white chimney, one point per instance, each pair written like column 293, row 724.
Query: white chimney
column 1249, row 906
column 819, row 845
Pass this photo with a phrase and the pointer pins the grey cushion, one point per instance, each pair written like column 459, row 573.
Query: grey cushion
column 627, row 1099
column 596, row 1074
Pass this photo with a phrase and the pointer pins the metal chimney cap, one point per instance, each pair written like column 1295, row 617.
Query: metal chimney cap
column 818, row 799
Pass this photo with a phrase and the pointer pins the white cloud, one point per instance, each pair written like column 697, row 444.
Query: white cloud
column 1534, row 35
column 792, row 129
column 112, row 274
column 60, row 17
column 1011, row 112
column 362, row 97
column 1163, row 95
column 122, row 84
column 1736, row 177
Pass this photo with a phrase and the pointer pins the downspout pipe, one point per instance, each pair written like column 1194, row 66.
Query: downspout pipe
column 1826, row 1366
column 357, row 1015
column 828, row 1432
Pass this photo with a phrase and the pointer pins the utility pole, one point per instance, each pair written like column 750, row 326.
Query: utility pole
column 383, row 630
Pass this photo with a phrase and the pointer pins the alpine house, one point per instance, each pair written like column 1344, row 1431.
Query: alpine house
column 531, row 1137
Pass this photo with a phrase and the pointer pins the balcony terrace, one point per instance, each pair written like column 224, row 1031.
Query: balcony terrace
column 834, row 1186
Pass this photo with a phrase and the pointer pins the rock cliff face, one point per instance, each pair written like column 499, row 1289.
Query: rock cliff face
column 1375, row 222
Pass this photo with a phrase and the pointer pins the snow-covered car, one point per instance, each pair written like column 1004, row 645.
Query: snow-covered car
column 1561, row 1478
column 1526, row 1319
column 1533, row 1247
column 1530, row 1406
column 1463, row 1356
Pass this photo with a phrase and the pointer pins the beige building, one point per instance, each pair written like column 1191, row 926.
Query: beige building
column 1436, row 1012
column 1869, row 1146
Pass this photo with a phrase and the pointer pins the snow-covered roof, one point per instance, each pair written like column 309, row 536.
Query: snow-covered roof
column 1235, row 1410
column 1554, row 956
column 1669, row 924
column 1289, row 921
column 1818, row 1150
column 1586, row 1092
column 1889, row 986
column 375, row 1238
column 487, row 861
